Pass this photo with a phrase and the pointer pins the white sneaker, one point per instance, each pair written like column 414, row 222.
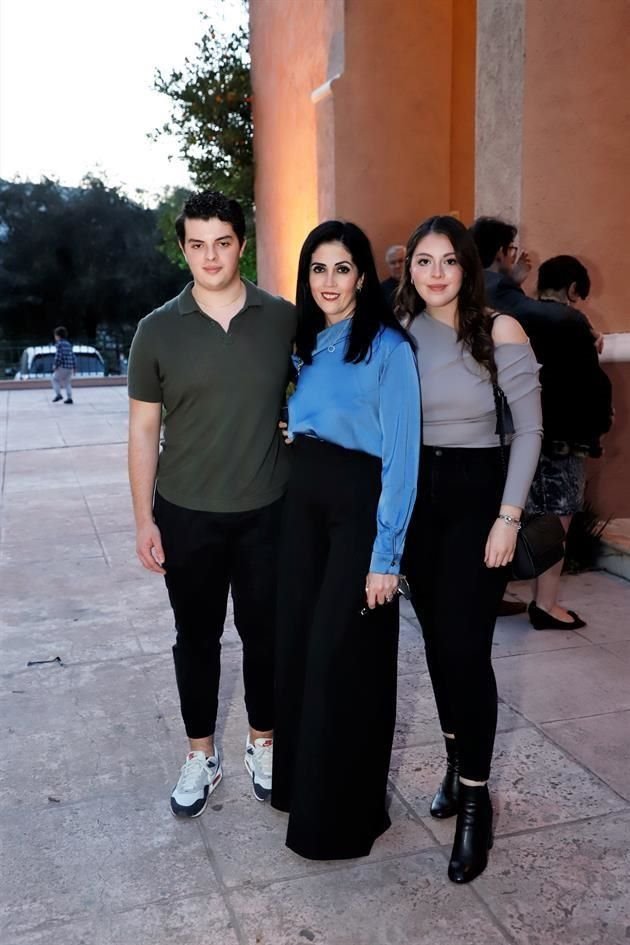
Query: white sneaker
column 198, row 779
column 259, row 764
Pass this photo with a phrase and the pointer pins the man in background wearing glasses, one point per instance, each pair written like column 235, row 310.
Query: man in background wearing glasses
column 505, row 269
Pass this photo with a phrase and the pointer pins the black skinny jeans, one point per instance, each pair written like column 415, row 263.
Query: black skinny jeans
column 455, row 596
column 206, row 554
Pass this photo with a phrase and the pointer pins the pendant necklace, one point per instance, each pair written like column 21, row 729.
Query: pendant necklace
column 331, row 347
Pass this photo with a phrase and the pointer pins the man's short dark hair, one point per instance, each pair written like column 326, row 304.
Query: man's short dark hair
column 491, row 234
column 207, row 205
column 61, row 332
column 560, row 272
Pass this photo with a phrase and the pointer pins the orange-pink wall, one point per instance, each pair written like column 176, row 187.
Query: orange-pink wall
column 290, row 44
column 575, row 194
column 392, row 143
column 393, row 117
column 463, row 107
column 576, row 144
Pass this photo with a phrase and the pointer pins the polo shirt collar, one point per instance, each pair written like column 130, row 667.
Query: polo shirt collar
column 186, row 303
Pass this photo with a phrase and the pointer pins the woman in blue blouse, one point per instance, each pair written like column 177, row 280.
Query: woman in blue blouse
column 354, row 425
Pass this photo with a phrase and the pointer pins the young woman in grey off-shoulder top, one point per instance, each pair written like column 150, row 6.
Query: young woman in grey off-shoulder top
column 463, row 532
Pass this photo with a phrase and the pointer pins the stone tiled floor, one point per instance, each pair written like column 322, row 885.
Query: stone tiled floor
column 91, row 747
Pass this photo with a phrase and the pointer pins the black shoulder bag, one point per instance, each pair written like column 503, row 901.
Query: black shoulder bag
column 540, row 540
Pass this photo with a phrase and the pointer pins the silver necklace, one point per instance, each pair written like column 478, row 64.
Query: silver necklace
column 333, row 345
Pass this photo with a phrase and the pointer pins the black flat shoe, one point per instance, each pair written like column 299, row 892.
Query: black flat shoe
column 444, row 803
column 541, row 620
column 473, row 834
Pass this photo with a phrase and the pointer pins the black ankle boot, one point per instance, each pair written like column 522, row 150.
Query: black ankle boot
column 444, row 804
column 473, row 834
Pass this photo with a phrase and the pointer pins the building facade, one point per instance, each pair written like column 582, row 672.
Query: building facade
column 385, row 112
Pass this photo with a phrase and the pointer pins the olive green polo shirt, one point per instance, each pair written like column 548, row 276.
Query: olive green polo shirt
column 222, row 393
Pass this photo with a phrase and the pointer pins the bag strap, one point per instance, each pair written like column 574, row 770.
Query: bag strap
column 500, row 406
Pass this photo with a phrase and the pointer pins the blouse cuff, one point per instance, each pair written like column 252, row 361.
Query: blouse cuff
column 384, row 564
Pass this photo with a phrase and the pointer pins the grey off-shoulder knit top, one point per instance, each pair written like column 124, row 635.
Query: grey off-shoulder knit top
column 458, row 402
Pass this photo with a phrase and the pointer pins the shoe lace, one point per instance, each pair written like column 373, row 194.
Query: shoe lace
column 192, row 771
column 264, row 757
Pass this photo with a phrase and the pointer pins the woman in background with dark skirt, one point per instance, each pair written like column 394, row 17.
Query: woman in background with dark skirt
column 354, row 425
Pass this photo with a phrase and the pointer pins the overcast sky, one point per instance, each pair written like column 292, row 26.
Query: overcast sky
column 76, row 92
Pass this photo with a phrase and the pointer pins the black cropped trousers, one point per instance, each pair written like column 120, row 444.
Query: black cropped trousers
column 455, row 596
column 207, row 555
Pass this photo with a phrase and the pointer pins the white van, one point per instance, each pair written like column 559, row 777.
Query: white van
column 37, row 362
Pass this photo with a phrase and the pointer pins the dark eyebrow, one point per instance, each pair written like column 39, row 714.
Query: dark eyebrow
column 219, row 239
column 340, row 262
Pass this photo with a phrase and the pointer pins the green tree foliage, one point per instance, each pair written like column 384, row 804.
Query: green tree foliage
column 212, row 113
column 211, row 121
column 167, row 212
column 83, row 257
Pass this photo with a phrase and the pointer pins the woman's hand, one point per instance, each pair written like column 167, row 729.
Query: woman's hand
column 283, row 427
column 380, row 588
column 500, row 545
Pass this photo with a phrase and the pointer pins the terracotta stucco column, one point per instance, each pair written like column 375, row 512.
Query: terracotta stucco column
column 362, row 109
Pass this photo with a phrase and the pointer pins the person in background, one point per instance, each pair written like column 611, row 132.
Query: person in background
column 577, row 412
column 354, row 423
column 465, row 523
column 212, row 364
column 395, row 259
column 64, row 366
column 505, row 270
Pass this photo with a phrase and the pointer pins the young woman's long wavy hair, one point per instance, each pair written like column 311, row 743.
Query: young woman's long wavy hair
column 473, row 323
column 372, row 311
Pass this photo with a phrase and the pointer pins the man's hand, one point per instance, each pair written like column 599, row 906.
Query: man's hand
column 380, row 588
column 149, row 548
column 521, row 268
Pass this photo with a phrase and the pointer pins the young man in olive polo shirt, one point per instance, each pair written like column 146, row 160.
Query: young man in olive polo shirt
column 212, row 365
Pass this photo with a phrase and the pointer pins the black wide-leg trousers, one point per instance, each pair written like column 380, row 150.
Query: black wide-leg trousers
column 207, row 554
column 455, row 596
column 335, row 668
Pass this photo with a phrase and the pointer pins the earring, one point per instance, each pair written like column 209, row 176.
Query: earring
column 359, row 285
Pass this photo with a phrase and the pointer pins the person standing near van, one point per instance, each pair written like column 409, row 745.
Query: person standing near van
column 64, row 366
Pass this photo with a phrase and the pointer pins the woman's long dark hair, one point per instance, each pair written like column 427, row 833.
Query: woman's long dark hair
column 474, row 323
column 372, row 311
